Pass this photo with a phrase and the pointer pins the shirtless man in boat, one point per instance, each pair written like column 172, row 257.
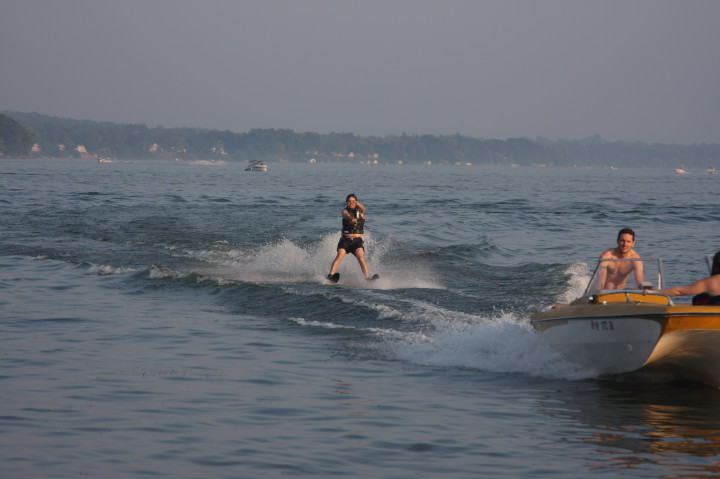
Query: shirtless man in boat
column 614, row 274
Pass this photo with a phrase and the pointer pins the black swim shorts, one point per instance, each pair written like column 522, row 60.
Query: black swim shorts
column 350, row 244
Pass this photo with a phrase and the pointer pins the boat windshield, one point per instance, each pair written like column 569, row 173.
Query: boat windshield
column 626, row 274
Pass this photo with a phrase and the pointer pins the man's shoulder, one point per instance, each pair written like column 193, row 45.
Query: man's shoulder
column 608, row 254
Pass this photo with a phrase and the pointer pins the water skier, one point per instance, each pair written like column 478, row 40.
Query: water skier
column 351, row 241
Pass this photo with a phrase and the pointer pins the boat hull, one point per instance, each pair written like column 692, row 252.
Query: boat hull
column 605, row 345
column 629, row 332
column 690, row 345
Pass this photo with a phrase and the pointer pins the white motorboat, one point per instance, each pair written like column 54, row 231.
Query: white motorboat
column 256, row 165
column 614, row 332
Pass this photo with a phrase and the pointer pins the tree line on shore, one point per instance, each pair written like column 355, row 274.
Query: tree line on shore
column 36, row 135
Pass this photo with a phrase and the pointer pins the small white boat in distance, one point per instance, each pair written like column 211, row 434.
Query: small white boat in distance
column 612, row 332
column 256, row 165
column 680, row 171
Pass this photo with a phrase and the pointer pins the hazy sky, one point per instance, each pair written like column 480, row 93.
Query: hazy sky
column 646, row 70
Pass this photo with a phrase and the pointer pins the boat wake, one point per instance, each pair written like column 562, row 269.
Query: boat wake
column 397, row 316
column 285, row 261
column 505, row 344
column 579, row 277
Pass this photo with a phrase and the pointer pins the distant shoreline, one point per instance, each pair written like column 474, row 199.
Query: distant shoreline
column 62, row 137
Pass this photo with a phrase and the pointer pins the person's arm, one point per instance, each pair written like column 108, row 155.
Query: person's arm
column 362, row 208
column 639, row 274
column 602, row 271
column 699, row 286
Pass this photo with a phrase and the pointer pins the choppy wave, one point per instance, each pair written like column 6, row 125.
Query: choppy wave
column 103, row 269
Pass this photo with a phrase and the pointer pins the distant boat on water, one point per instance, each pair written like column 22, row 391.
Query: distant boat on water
column 256, row 165
column 680, row 171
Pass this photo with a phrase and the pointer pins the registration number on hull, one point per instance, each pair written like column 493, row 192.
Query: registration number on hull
column 604, row 325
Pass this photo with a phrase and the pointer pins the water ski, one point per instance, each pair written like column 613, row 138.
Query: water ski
column 374, row 277
column 334, row 278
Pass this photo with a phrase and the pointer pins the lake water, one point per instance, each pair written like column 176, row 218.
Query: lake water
column 171, row 319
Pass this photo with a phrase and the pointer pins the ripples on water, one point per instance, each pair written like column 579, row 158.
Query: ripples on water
column 170, row 319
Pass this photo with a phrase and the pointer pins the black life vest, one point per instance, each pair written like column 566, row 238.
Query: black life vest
column 704, row 299
column 350, row 228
